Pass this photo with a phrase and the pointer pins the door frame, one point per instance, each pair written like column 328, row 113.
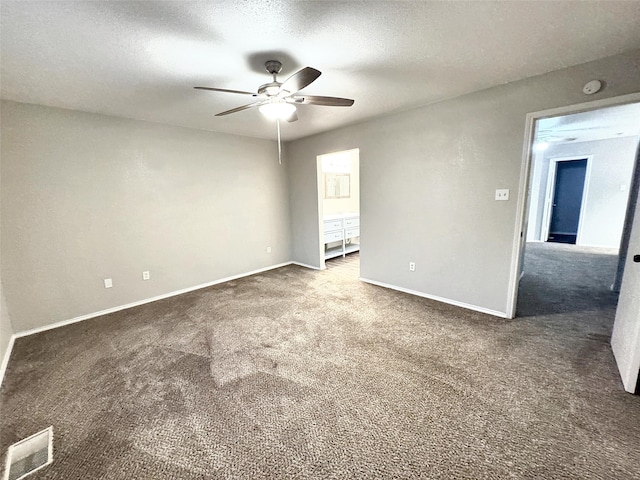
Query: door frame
column 549, row 195
column 320, row 186
column 525, row 172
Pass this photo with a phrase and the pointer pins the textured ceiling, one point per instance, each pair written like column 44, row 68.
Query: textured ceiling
column 610, row 122
column 141, row 59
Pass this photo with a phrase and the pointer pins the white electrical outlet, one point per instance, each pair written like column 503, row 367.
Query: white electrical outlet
column 268, row 249
column 146, row 275
column 108, row 283
column 502, row 194
column 412, row 266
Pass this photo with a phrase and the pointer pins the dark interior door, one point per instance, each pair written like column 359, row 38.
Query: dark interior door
column 567, row 201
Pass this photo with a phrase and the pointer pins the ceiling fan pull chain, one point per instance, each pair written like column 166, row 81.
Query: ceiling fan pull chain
column 279, row 147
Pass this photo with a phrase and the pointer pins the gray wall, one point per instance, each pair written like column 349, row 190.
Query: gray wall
column 428, row 178
column 88, row 196
column 603, row 216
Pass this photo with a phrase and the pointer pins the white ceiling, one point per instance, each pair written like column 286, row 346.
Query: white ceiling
column 610, row 122
column 141, row 59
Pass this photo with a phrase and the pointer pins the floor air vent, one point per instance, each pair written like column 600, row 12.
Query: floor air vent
column 29, row 455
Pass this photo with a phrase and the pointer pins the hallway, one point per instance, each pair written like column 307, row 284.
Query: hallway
column 569, row 285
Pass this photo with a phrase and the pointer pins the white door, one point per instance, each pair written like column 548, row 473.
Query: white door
column 625, row 339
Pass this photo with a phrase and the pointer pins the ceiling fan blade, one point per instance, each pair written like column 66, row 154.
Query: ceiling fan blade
column 226, row 91
column 293, row 117
column 239, row 109
column 328, row 101
column 300, row 79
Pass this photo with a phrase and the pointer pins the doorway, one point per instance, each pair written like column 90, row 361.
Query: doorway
column 567, row 183
column 338, row 176
column 532, row 222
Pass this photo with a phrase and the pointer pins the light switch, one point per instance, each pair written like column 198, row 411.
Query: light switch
column 108, row 283
column 502, row 194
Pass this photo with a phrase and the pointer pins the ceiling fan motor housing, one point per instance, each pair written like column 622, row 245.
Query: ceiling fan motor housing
column 270, row 89
column 273, row 66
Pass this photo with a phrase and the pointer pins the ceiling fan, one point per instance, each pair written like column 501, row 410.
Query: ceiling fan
column 278, row 101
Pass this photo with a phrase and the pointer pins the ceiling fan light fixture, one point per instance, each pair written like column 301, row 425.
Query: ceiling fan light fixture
column 277, row 110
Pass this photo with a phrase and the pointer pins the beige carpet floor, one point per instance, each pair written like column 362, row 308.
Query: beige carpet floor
column 295, row 373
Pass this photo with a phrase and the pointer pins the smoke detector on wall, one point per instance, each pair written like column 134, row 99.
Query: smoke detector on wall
column 592, row 87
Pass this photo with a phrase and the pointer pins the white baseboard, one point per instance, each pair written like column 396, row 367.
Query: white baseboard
column 7, row 355
column 305, row 265
column 5, row 360
column 468, row 306
column 146, row 300
column 81, row 318
column 603, row 247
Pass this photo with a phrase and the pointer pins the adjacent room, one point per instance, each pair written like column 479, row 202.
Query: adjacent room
column 339, row 209
column 580, row 200
column 284, row 239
